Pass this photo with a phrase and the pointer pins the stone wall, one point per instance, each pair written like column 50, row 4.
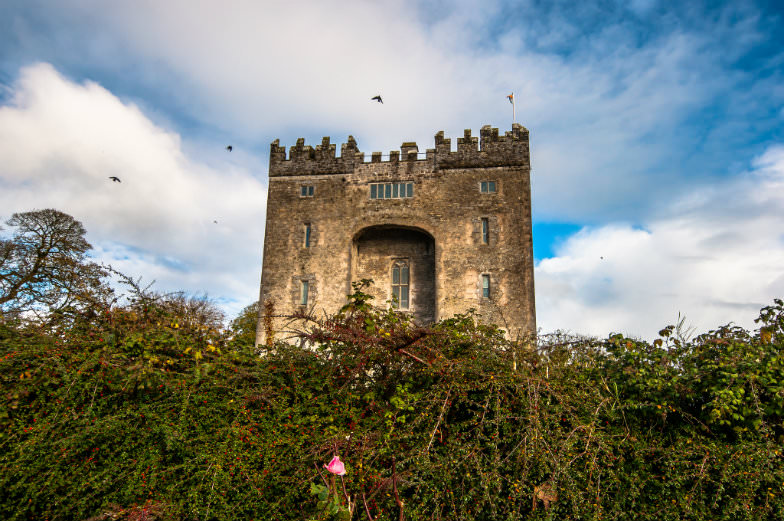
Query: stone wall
column 447, row 206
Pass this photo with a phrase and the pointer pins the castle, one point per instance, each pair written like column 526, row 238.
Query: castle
column 438, row 233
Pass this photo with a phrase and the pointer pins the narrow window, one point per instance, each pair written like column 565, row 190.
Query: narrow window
column 485, row 231
column 491, row 186
column 373, row 189
column 307, row 235
column 303, row 293
column 400, row 284
column 410, row 190
column 387, row 191
column 485, row 286
column 395, row 188
column 483, row 185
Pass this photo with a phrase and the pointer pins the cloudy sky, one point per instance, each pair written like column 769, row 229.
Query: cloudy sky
column 656, row 134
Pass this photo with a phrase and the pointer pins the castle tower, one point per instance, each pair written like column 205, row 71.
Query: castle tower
column 438, row 233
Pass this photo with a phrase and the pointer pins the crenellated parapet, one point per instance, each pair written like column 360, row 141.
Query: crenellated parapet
column 488, row 150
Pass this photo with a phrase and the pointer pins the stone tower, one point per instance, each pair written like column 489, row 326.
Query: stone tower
column 438, row 233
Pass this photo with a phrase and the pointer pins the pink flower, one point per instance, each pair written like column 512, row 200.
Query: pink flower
column 336, row 466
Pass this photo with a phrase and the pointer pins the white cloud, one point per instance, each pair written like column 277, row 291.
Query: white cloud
column 716, row 258
column 609, row 112
column 60, row 141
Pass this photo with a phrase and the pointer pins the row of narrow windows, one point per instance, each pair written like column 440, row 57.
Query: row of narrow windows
column 395, row 190
column 391, row 190
column 485, row 233
column 400, row 286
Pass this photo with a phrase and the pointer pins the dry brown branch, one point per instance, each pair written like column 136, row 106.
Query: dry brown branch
column 438, row 422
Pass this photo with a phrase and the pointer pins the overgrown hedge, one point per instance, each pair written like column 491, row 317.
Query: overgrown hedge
column 141, row 412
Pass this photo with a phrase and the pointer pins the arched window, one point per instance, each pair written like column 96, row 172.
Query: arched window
column 400, row 283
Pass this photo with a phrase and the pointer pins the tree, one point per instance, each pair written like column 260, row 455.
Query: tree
column 243, row 328
column 44, row 266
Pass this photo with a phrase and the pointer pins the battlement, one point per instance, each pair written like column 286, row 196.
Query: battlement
column 490, row 149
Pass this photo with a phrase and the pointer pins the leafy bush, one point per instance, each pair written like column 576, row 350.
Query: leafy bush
column 150, row 410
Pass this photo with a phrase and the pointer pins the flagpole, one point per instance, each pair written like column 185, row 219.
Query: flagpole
column 511, row 100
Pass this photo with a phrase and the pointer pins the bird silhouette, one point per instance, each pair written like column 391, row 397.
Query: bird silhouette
column 229, row 148
column 377, row 98
column 115, row 179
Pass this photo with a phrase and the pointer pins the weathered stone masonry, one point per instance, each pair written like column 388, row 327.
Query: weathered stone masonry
column 461, row 240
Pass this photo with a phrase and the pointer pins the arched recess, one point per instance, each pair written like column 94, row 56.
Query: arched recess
column 401, row 262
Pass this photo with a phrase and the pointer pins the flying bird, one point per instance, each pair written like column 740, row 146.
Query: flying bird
column 377, row 98
column 229, row 148
column 115, row 179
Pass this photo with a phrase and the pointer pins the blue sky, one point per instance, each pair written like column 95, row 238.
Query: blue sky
column 656, row 134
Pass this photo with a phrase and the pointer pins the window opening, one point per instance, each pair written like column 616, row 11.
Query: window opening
column 307, row 235
column 487, row 187
column 485, row 286
column 485, row 231
column 391, row 190
column 400, row 283
column 306, row 191
column 303, row 293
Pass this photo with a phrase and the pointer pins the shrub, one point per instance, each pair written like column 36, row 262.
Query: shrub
column 150, row 409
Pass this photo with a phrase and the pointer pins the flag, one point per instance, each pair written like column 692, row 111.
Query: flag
column 511, row 98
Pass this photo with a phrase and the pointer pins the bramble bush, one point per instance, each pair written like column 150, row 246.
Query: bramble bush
column 151, row 410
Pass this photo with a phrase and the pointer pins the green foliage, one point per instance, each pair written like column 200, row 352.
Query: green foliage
column 243, row 328
column 151, row 408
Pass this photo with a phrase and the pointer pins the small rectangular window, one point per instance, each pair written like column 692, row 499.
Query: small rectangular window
column 388, row 191
column 306, row 191
column 303, row 294
column 487, row 187
column 307, row 235
column 395, row 192
column 485, row 231
column 485, row 286
column 373, row 189
column 410, row 190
